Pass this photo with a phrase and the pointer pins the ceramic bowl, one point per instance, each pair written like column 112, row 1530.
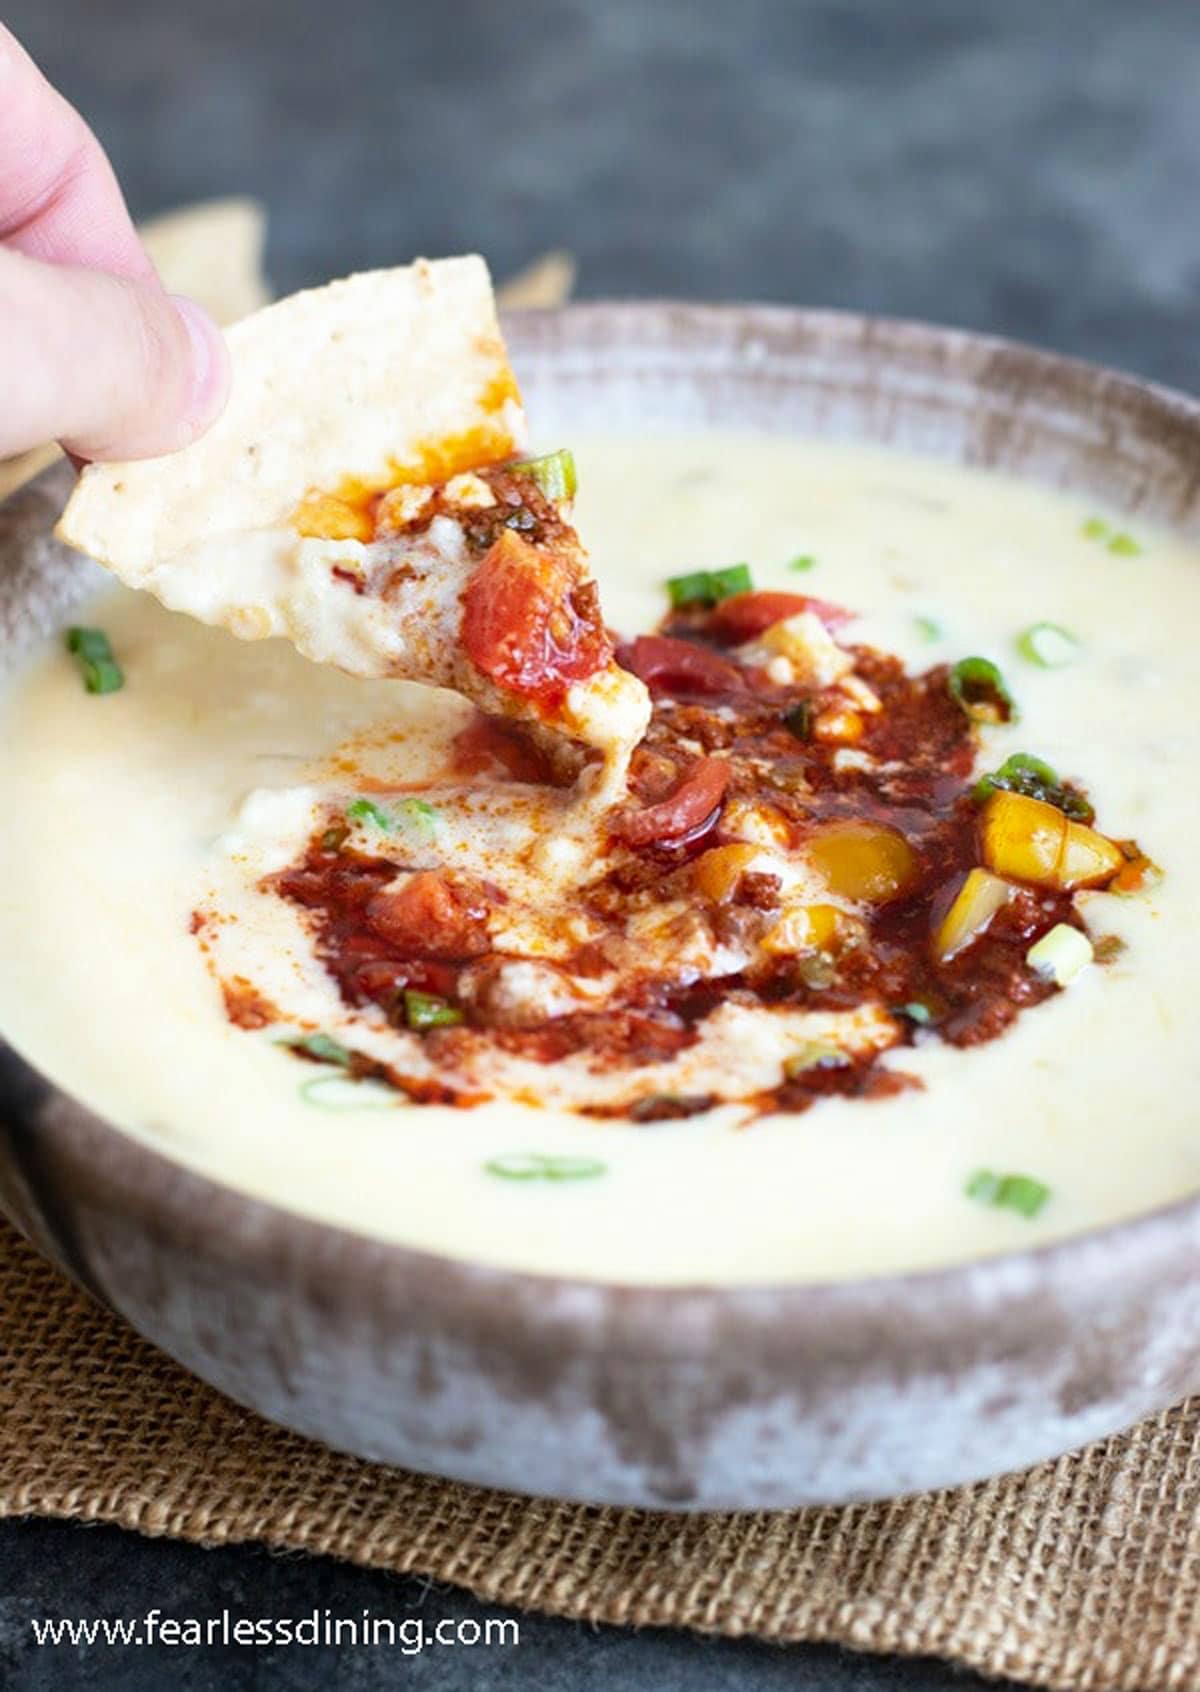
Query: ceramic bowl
column 693, row 1397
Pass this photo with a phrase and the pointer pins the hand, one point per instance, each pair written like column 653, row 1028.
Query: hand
column 93, row 352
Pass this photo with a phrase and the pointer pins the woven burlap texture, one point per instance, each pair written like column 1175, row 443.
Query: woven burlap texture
column 1083, row 1573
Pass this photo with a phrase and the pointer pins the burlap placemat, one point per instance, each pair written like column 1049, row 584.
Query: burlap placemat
column 1083, row 1573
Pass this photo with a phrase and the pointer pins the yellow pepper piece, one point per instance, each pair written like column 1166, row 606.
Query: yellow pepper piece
column 976, row 903
column 863, row 861
column 805, row 928
column 1089, row 859
column 839, row 723
column 717, row 872
column 1032, row 841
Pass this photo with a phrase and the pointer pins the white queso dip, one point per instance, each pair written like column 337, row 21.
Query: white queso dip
column 170, row 932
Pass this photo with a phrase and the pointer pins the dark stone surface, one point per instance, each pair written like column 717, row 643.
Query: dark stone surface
column 51, row 1568
column 1003, row 164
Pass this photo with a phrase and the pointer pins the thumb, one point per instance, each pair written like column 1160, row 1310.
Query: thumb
column 111, row 366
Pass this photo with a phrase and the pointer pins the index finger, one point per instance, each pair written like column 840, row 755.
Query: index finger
column 59, row 198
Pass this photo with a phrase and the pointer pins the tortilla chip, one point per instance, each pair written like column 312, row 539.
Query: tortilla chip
column 15, row 472
column 213, row 252
column 388, row 376
column 544, row 283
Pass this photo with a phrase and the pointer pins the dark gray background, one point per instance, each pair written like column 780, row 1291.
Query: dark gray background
column 1024, row 166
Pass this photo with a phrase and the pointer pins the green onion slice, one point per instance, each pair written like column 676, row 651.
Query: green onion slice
column 321, row 1046
column 1021, row 1193
column 709, row 587
column 1032, row 777
column 1124, row 546
column 734, row 578
column 101, row 672
column 930, row 629
column 426, row 1010
column 1115, row 540
column 799, row 719
column 416, row 815
column 805, row 561
column 915, row 1011
column 366, row 810
column 554, row 473
column 979, row 688
column 1049, row 645
column 695, row 589
column 339, row 1092
column 540, row 1166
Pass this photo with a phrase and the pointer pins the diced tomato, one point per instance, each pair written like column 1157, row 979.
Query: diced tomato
column 529, row 623
column 744, row 616
column 667, row 665
column 694, row 803
column 429, row 916
column 376, row 978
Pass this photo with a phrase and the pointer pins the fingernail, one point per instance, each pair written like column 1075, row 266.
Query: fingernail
column 210, row 360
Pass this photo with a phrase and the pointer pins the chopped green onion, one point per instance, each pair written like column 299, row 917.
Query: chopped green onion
column 339, row 1092
column 418, row 815
column 103, row 675
column 979, row 688
column 554, row 473
column 689, row 590
column 1124, row 546
column 366, row 810
column 929, row 628
column 101, row 672
column 539, row 1166
column 1062, row 954
column 805, row 561
column 321, row 1046
column 915, row 1011
column 1116, row 540
column 88, row 643
column 1049, row 645
column 1008, row 1192
column 709, row 587
column 814, row 1054
column 426, row 1010
column 799, row 719
column 1030, row 776
column 733, row 578
column 1020, row 767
